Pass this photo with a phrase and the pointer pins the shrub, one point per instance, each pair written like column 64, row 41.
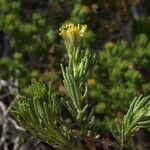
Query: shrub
column 41, row 112
column 121, row 73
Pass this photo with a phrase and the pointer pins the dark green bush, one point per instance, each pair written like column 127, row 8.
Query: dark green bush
column 35, row 50
column 122, row 73
column 13, row 69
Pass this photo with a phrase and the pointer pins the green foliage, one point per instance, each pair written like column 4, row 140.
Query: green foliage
column 13, row 69
column 121, row 74
column 81, row 62
column 35, row 22
column 31, row 28
column 26, row 36
column 35, row 51
column 137, row 117
column 142, row 25
column 40, row 112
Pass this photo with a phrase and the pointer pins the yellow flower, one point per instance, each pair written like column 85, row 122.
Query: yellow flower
column 85, row 10
column 73, row 33
column 91, row 82
column 109, row 45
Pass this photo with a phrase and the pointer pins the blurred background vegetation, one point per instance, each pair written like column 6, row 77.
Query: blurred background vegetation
column 119, row 31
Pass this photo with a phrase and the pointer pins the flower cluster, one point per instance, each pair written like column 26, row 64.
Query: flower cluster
column 73, row 33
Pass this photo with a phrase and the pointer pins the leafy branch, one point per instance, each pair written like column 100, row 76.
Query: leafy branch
column 41, row 111
column 137, row 117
